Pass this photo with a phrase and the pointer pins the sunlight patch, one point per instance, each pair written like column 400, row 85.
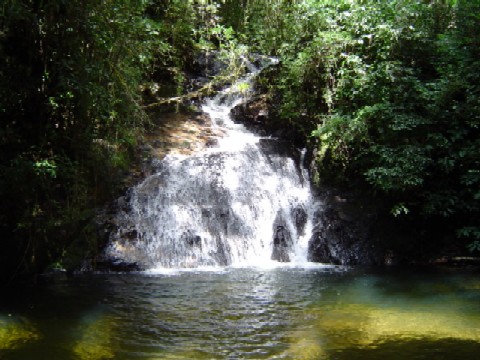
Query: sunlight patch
column 367, row 326
column 96, row 340
column 15, row 333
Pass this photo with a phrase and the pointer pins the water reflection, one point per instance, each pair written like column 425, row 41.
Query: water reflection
column 246, row 313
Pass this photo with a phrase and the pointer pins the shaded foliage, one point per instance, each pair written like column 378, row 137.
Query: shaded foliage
column 389, row 91
column 71, row 111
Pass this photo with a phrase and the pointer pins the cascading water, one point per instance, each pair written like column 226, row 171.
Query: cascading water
column 232, row 204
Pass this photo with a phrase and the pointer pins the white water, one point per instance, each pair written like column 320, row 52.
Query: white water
column 232, row 204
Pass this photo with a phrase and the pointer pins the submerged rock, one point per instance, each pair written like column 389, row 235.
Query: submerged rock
column 97, row 339
column 16, row 333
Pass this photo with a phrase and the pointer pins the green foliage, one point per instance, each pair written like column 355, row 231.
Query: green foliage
column 390, row 92
column 70, row 108
column 71, row 81
column 397, row 169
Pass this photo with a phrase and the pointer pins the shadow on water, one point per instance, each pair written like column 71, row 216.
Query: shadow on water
column 245, row 313
column 444, row 349
column 58, row 312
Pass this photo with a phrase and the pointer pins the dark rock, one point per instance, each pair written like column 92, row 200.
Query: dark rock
column 130, row 235
column 212, row 142
column 207, row 64
column 254, row 115
column 356, row 228
column 278, row 147
column 114, row 265
column 300, row 218
column 261, row 113
column 221, row 254
column 192, row 240
column 342, row 235
column 280, row 254
column 461, row 261
column 282, row 240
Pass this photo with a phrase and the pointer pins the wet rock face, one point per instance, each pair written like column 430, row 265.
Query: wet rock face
column 115, row 265
column 259, row 115
column 342, row 235
column 334, row 242
column 300, row 217
column 192, row 239
column 281, row 244
column 179, row 133
column 254, row 115
column 277, row 147
column 282, row 239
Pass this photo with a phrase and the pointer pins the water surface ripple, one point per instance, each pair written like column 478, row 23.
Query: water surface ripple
column 246, row 313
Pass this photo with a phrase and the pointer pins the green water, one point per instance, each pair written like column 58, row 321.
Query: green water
column 282, row 313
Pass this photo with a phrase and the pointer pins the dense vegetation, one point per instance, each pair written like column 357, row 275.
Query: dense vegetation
column 388, row 92
column 71, row 112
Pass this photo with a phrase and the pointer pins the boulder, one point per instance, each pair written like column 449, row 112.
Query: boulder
column 282, row 240
column 342, row 234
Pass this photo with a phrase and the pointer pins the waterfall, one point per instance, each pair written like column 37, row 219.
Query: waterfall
column 236, row 203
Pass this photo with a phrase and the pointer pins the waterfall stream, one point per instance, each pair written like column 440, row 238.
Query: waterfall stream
column 236, row 203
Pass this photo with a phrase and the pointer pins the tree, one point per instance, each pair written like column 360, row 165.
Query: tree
column 389, row 91
column 71, row 110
